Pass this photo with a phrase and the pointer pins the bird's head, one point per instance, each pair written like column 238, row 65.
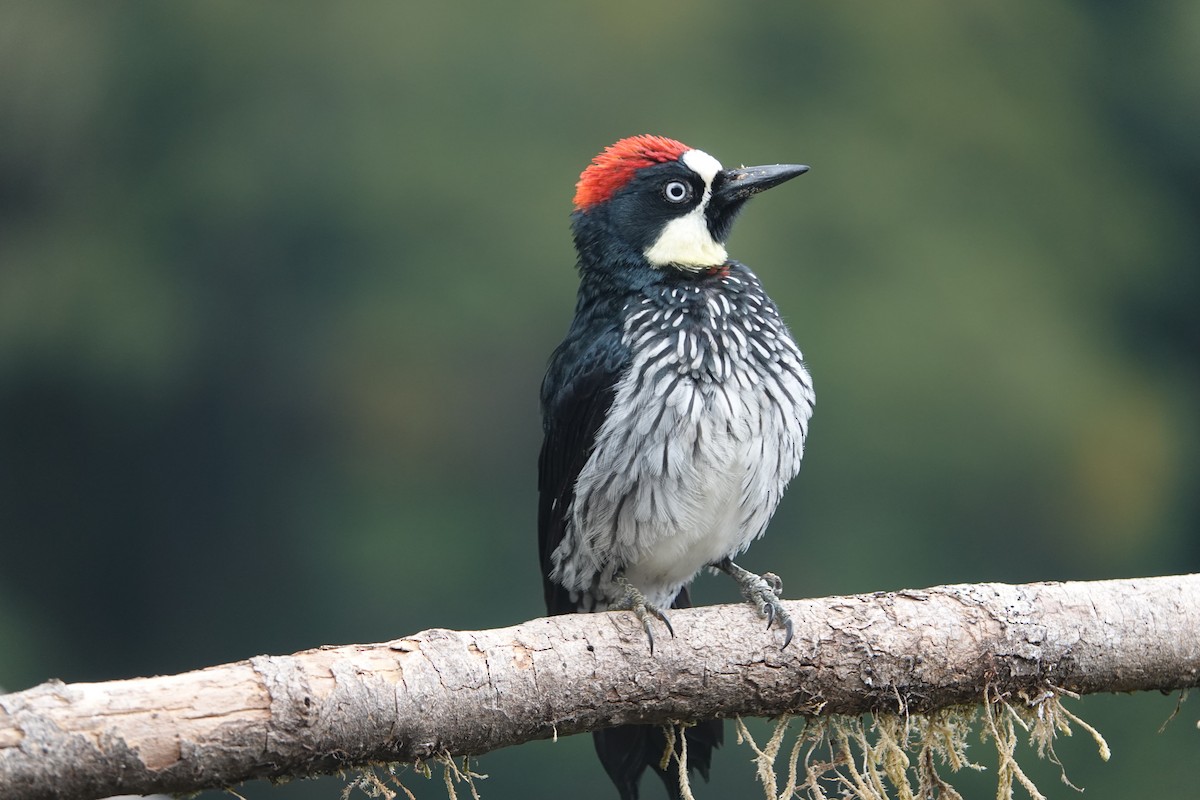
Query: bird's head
column 655, row 200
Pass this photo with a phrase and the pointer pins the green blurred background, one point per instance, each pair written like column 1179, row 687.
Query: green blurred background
column 278, row 283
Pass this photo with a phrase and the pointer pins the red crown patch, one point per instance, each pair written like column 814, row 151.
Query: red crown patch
column 613, row 168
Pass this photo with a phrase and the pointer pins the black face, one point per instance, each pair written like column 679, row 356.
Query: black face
column 655, row 196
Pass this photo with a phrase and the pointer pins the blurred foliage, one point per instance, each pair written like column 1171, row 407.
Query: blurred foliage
column 278, row 282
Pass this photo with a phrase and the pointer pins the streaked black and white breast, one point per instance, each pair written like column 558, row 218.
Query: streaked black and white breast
column 706, row 428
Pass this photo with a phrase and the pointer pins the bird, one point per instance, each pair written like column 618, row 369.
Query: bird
column 675, row 411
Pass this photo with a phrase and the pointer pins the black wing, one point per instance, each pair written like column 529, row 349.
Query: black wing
column 578, row 390
column 577, row 393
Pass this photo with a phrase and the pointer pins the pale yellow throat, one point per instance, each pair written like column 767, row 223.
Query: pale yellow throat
column 686, row 242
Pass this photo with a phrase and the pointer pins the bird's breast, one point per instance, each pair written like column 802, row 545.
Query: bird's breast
column 706, row 429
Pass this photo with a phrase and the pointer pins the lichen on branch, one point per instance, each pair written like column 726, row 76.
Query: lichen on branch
column 889, row 756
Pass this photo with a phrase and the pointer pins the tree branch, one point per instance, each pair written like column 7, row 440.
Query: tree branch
column 448, row 692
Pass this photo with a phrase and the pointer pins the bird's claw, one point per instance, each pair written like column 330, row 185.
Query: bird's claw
column 633, row 600
column 762, row 591
column 663, row 618
column 767, row 601
column 774, row 607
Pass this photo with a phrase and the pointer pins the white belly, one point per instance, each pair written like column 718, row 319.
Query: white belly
column 706, row 429
column 717, row 532
column 661, row 500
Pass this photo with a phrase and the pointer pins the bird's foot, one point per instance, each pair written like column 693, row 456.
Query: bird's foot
column 761, row 591
column 633, row 600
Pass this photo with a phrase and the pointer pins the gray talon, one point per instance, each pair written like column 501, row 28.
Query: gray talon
column 762, row 591
column 633, row 600
column 658, row 613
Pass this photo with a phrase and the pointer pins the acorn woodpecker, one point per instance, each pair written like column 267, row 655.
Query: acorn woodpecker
column 674, row 411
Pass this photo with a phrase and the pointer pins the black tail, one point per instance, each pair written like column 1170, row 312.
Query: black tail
column 627, row 750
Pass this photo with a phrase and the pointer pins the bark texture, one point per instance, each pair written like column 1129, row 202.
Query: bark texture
column 469, row 692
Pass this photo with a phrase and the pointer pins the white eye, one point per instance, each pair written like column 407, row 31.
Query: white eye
column 676, row 191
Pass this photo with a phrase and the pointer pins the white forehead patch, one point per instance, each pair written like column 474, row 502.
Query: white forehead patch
column 702, row 164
